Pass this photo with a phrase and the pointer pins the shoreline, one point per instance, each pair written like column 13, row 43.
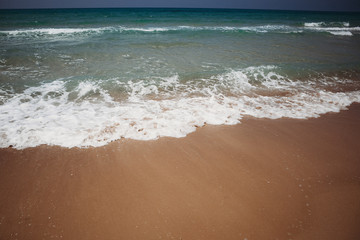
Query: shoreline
column 260, row 179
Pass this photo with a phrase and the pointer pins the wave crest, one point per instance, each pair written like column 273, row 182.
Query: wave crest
column 85, row 32
column 86, row 113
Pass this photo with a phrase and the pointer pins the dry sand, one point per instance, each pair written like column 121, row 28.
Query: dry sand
column 262, row 179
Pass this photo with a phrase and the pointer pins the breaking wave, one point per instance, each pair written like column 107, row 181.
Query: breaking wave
column 336, row 29
column 68, row 113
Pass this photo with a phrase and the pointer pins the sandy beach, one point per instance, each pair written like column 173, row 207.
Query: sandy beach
column 261, row 179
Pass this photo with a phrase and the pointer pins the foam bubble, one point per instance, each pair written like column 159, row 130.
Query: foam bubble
column 81, row 114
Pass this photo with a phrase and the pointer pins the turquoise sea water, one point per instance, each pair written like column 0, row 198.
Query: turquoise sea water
column 85, row 77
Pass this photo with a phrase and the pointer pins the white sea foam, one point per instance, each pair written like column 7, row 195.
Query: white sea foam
column 123, row 29
column 263, row 28
column 334, row 28
column 328, row 24
column 341, row 33
column 314, row 24
column 55, row 31
column 57, row 113
column 68, row 32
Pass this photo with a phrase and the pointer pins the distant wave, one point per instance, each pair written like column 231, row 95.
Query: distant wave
column 70, row 31
column 334, row 28
column 53, row 31
column 329, row 24
column 341, row 33
column 317, row 27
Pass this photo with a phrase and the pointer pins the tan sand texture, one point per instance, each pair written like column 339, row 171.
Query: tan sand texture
column 261, row 179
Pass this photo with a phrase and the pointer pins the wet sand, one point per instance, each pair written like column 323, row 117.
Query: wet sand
column 262, row 179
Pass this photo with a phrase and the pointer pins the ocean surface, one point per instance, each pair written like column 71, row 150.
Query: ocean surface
column 86, row 77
